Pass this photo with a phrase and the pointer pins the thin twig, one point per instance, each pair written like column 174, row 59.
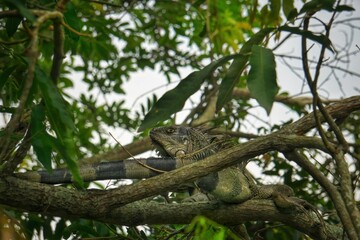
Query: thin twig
column 324, row 64
column 345, row 180
column 327, row 185
column 142, row 164
column 74, row 31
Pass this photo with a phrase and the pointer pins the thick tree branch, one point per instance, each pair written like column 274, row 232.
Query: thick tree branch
column 336, row 110
column 236, row 134
column 71, row 203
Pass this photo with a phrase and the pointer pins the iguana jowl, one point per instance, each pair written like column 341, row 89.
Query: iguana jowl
column 231, row 184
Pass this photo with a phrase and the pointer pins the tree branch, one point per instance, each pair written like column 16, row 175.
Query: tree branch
column 32, row 54
column 336, row 153
column 58, row 50
column 71, row 203
column 325, row 183
column 287, row 100
column 336, row 110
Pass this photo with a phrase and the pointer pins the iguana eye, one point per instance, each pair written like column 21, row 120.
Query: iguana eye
column 170, row 130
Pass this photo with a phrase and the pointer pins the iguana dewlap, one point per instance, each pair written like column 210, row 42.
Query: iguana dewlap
column 231, row 184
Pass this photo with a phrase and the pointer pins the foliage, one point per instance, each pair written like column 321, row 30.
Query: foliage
column 204, row 228
column 49, row 50
column 262, row 77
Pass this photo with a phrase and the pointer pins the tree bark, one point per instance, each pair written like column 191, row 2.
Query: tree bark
column 70, row 203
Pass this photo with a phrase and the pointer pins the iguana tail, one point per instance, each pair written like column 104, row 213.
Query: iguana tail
column 124, row 169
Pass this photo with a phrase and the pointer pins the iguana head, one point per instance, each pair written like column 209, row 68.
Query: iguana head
column 178, row 141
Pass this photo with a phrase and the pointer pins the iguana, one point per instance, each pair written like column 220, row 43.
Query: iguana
column 233, row 184
column 177, row 145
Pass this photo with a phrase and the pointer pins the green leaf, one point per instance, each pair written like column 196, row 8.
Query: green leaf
column 316, row 5
column 236, row 68
column 288, row 9
column 4, row 76
column 327, row 4
column 11, row 25
column 275, row 6
column 71, row 18
column 61, row 122
column 341, row 8
column 174, row 100
column 262, row 77
column 20, row 5
column 292, row 15
column 41, row 140
column 59, row 228
column 322, row 39
column 204, row 228
column 313, row 6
